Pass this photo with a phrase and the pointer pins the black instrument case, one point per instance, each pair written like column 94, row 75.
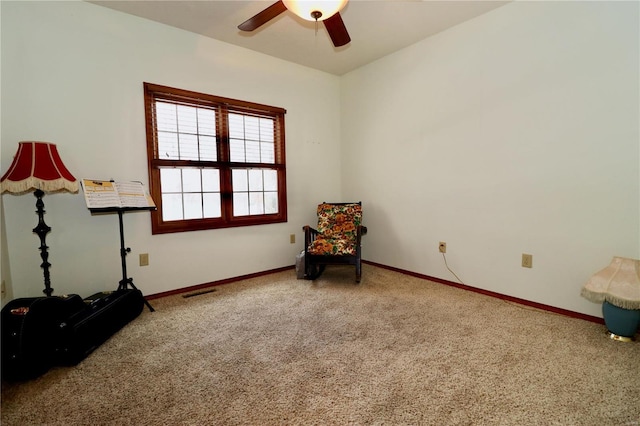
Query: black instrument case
column 30, row 333
column 41, row 332
column 105, row 314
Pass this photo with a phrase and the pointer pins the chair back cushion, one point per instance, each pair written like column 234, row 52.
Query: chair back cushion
column 339, row 220
column 337, row 229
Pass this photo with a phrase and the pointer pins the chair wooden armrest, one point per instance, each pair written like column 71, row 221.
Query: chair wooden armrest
column 360, row 231
column 309, row 236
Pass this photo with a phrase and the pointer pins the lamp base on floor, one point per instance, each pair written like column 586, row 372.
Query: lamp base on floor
column 622, row 324
column 614, row 336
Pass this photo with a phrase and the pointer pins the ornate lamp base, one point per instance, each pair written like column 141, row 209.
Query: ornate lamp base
column 622, row 324
column 614, row 336
column 42, row 230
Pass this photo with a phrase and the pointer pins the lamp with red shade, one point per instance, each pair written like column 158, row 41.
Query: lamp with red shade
column 37, row 167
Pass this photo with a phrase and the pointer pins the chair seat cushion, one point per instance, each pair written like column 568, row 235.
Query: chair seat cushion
column 330, row 246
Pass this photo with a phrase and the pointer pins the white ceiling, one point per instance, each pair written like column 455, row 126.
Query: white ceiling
column 377, row 28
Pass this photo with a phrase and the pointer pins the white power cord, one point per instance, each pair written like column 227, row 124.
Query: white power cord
column 447, row 265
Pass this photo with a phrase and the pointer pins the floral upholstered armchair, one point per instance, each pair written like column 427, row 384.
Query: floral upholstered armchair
column 336, row 241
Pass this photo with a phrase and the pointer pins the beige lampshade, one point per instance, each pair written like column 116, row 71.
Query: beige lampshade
column 618, row 284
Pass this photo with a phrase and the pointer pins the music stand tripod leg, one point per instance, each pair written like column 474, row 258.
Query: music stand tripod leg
column 129, row 281
column 123, row 255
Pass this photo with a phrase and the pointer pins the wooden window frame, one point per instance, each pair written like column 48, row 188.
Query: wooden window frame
column 223, row 106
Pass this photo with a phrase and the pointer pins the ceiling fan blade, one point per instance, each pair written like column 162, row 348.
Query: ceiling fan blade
column 337, row 31
column 263, row 17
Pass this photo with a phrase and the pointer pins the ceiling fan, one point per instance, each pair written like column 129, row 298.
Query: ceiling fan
column 327, row 11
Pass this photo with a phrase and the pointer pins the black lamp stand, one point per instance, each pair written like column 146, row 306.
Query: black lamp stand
column 42, row 230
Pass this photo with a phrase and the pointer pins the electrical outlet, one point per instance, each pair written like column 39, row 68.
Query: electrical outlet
column 442, row 247
column 292, row 238
column 144, row 259
column 527, row 260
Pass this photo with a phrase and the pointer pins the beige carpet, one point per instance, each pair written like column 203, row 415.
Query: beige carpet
column 394, row 350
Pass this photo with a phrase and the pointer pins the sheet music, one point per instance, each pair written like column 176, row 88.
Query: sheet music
column 104, row 194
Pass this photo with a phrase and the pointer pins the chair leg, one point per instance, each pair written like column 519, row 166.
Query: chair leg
column 320, row 270
column 309, row 271
column 358, row 272
column 314, row 271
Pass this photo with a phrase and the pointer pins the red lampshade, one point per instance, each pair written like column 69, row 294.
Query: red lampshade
column 37, row 165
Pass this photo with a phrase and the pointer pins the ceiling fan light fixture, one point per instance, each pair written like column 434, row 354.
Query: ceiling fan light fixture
column 315, row 10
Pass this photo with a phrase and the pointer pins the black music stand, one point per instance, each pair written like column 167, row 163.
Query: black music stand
column 125, row 281
column 103, row 197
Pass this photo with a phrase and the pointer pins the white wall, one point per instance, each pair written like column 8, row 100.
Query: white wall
column 516, row 132
column 72, row 74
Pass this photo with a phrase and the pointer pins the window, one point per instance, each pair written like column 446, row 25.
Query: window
column 213, row 162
